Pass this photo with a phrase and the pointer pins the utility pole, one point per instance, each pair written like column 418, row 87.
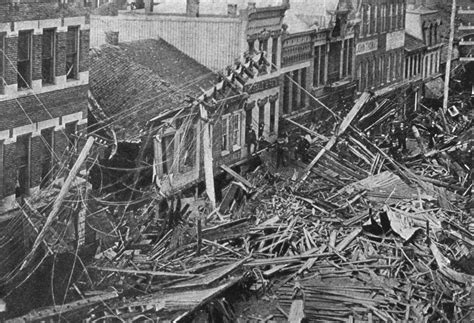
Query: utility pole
column 447, row 74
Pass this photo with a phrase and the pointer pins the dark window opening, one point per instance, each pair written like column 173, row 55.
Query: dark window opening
column 1, row 170
column 187, row 150
column 316, row 66
column 48, row 55
column 322, row 65
column 251, row 46
column 167, row 149
column 286, row 94
column 274, row 53
column 272, row 115
column 72, row 47
column 71, row 129
column 2, row 63
column 23, row 165
column 47, row 162
column 261, row 119
column 303, row 87
column 294, row 84
column 24, row 59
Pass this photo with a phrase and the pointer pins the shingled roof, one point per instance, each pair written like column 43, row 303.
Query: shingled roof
column 135, row 82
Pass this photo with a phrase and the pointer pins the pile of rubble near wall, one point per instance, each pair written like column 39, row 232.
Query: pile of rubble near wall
column 361, row 239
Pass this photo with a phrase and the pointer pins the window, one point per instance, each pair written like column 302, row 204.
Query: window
column 1, row 169
column 167, row 151
column 261, row 117
column 225, row 134
column 2, row 64
column 303, row 87
column 23, row 144
column 389, row 65
column 47, row 161
column 236, row 131
column 381, row 71
column 274, row 53
column 187, row 151
column 70, row 130
column 72, row 48
column 375, row 20
column 251, row 46
column 359, row 76
column 48, row 55
column 24, row 59
column 322, row 65
column 316, row 66
column 286, row 93
column 369, row 19
column 294, row 103
column 384, row 18
column 272, row 115
column 370, row 81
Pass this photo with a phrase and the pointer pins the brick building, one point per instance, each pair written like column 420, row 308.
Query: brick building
column 380, row 41
column 317, row 61
column 43, row 93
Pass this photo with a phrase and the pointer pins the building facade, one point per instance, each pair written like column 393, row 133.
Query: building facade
column 465, row 14
column 380, row 40
column 44, row 49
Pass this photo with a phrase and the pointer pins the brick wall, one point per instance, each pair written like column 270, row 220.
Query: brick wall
column 10, row 166
column 36, row 164
column 46, row 9
column 36, row 64
column 57, row 103
column 84, row 50
column 61, row 53
column 11, row 49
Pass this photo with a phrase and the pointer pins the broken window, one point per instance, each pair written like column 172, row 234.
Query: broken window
column 70, row 130
column 225, row 134
column 48, row 55
column 23, row 144
column 24, row 59
column 236, row 131
column 167, row 151
column 47, row 162
column 72, row 48
column 2, row 64
column 187, row 150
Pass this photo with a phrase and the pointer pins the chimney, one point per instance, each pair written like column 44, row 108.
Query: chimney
column 252, row 5
column 232, row 10
column 148, row 6
column 192, row 8
column 112, row 37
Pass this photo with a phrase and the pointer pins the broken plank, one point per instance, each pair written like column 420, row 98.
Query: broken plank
column 348, row 239
column 144, row 272
column 237, row 176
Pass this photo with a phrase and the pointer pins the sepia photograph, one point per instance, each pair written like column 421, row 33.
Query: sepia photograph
column 247, row 161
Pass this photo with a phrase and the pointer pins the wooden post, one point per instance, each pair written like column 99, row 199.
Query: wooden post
column 208, row 161
column 447, row 73
column 57, row 203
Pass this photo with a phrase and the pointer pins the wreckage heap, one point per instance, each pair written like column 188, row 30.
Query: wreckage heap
column 366, row 239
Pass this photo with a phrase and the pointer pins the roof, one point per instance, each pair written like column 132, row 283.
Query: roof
column 412, row 43
column 134, row 82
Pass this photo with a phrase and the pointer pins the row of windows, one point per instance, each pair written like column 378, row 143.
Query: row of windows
column 381, row 18
column 431, row 35
column 24, row 64
column 23, row 160
column 375, row 72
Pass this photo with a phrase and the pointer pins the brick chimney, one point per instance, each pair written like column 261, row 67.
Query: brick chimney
column 112, row 37
column 192, row 8
column 232, row 10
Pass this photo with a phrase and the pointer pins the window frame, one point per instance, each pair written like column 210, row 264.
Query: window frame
column 28, row 61
column 236, row 131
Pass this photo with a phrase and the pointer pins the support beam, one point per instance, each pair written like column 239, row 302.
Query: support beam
column 341, row 129
column 311, row 132
column 59, row 200
column 208, row 160
column 447, row 74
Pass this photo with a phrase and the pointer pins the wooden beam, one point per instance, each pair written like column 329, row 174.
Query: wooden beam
column 311, row 132
column 237, row 176
column 346, row 122
column 208, row 160
column 144, row 272
column 59, row 200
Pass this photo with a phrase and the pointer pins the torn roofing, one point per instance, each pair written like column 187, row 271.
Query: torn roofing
column 136, row 81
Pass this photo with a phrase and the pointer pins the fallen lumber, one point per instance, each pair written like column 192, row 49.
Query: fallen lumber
column 237, row 176
column 144, row 272
column 341, row 129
